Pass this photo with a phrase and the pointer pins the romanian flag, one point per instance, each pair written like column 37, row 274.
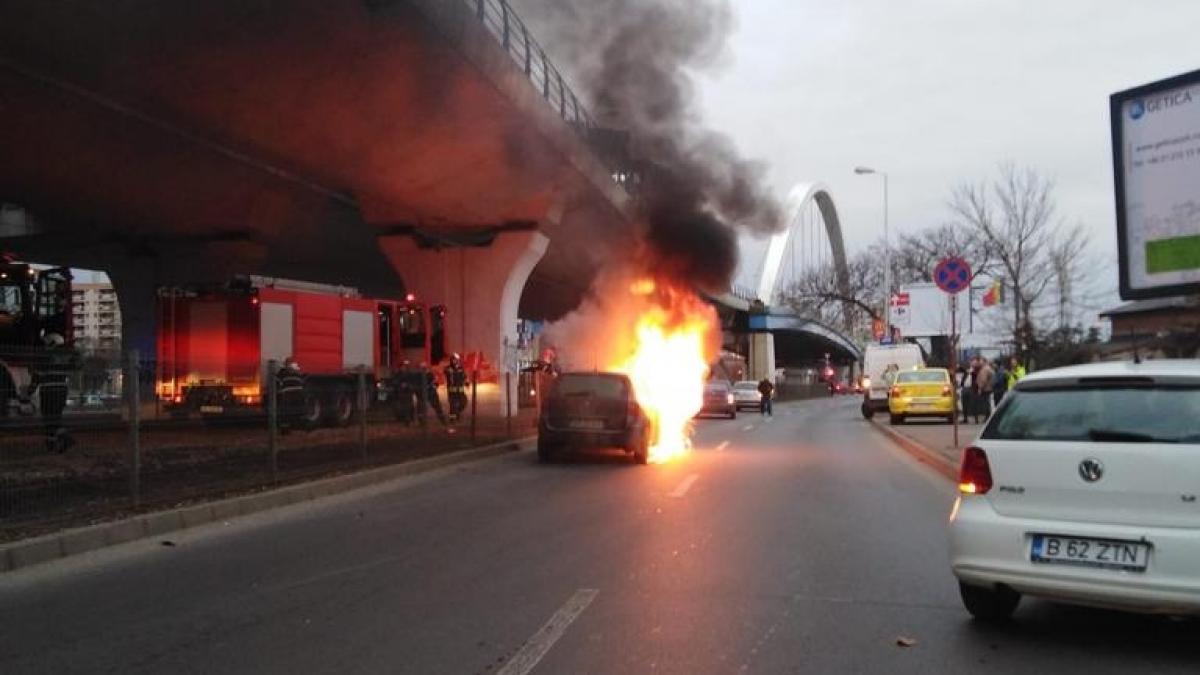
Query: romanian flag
column 995, row 294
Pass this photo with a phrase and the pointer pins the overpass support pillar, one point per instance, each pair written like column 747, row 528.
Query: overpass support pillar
column 481, row 288
column 762, row 356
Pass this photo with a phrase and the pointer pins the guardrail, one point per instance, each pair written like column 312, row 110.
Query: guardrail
column 503, row 23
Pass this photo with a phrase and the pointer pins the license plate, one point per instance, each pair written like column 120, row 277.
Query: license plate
column 591, row 425
column 215, row 409
column 1107, row 553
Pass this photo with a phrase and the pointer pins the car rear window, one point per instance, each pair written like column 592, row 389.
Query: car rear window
column 1101, row 414
column 746, row 386
column 603, row 386
column 922, row 376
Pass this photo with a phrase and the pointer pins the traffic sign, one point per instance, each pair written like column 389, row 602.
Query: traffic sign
column 952, row 275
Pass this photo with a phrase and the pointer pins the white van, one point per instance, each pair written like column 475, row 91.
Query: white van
column 876, row 359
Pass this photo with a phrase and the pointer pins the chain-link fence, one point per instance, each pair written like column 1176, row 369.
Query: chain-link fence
column 110, row 439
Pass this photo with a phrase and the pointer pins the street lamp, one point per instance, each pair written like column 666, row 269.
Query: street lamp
column 887, row 251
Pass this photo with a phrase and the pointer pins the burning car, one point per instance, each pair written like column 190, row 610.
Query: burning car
column 589, row 411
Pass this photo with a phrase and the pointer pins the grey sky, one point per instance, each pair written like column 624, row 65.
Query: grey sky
column 939, row 91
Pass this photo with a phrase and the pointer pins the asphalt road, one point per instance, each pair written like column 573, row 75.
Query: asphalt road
column 807, row 544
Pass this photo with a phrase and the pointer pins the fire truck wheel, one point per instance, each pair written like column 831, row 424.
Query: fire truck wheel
column 342, row 411
column 314, row 410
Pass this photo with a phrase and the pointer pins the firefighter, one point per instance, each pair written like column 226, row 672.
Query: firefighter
column 289, row 391
column 456, row 387
column 50, row 382
column 428, row 384
column 405, row 403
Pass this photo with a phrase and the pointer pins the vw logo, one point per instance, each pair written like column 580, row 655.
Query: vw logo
column 1137, row 109
column 1091, row 469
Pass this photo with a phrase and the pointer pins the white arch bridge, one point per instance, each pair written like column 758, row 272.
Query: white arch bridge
column 756, row 324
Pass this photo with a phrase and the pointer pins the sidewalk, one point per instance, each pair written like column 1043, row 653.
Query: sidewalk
column 932, row 442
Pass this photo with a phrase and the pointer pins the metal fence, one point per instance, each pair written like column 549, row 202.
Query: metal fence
column 114, row 455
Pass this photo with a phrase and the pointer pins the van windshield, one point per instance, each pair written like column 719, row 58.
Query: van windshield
column 1126, row 414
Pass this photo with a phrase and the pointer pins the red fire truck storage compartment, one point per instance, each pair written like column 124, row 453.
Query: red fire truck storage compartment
column 208, row 350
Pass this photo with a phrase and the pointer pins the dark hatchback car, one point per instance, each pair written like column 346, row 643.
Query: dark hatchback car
column 589, row 411
column 718, row 400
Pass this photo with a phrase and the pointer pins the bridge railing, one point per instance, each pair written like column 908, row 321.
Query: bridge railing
column 503, row 23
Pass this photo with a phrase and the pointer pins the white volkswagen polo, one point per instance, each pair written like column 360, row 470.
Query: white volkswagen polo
column 1083, row 488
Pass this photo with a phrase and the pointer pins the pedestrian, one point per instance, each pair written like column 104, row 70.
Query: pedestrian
column 999, row 382
column 1016, row 371
column 984, row 380
column 289, row 392
column 456, row 387
column 765, row 391
column 962, row 382
column 50, row 381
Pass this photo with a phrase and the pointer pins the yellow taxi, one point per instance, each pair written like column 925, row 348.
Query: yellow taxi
column 921, row 392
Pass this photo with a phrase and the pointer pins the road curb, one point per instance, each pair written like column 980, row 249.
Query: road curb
column 45, row 548
column 919, row 451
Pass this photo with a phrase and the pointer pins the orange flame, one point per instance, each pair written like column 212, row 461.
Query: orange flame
column 671, row 351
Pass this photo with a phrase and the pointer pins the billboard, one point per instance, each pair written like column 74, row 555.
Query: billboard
column 1156, row 167
column 924, row 311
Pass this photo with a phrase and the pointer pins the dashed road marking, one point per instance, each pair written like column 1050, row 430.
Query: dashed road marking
column 681, row 489
column 722, row 446
column 748, row 427
column 537, row 646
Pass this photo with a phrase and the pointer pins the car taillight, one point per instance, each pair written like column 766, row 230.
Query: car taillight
column 729, row 399
column 895, row 391
column 945, row 390
column 975, row 474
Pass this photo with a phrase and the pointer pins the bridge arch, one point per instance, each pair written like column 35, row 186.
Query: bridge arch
column 799, row 198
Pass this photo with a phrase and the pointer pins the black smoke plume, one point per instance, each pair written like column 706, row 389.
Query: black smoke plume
column 633, row 60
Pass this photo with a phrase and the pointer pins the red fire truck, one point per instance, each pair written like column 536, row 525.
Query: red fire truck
column 215, row 343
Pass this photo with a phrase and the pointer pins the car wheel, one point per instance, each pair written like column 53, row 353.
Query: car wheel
column 896, row 419
column 545, row 453
column 733, row 414
column 989, row 604
column 641, row 451
column 867, row 413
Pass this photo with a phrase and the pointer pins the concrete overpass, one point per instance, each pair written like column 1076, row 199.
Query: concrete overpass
column 397, row 145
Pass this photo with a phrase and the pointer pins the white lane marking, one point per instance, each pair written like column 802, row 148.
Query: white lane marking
column 683, row 487
column 722, row 446
column 537, row 646
column 748, row 427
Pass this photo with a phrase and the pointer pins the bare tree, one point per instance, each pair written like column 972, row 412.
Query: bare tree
column 1013, row 217
column 916, row 254
column 819, row 295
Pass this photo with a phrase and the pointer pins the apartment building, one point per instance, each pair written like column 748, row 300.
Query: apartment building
column 97, row 317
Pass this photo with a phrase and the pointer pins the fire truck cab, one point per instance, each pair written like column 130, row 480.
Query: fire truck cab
column 34, row 303
column 215, row 344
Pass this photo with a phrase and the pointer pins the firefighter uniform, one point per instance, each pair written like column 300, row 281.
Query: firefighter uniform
column 456, row 387
column 50, row 381
column 429, row 383
column 289, row 389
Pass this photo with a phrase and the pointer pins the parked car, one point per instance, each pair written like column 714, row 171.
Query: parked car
column 587, row 411
column 718, row 400
column 1084, row 487
column 925, row 392
column 745, row 395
